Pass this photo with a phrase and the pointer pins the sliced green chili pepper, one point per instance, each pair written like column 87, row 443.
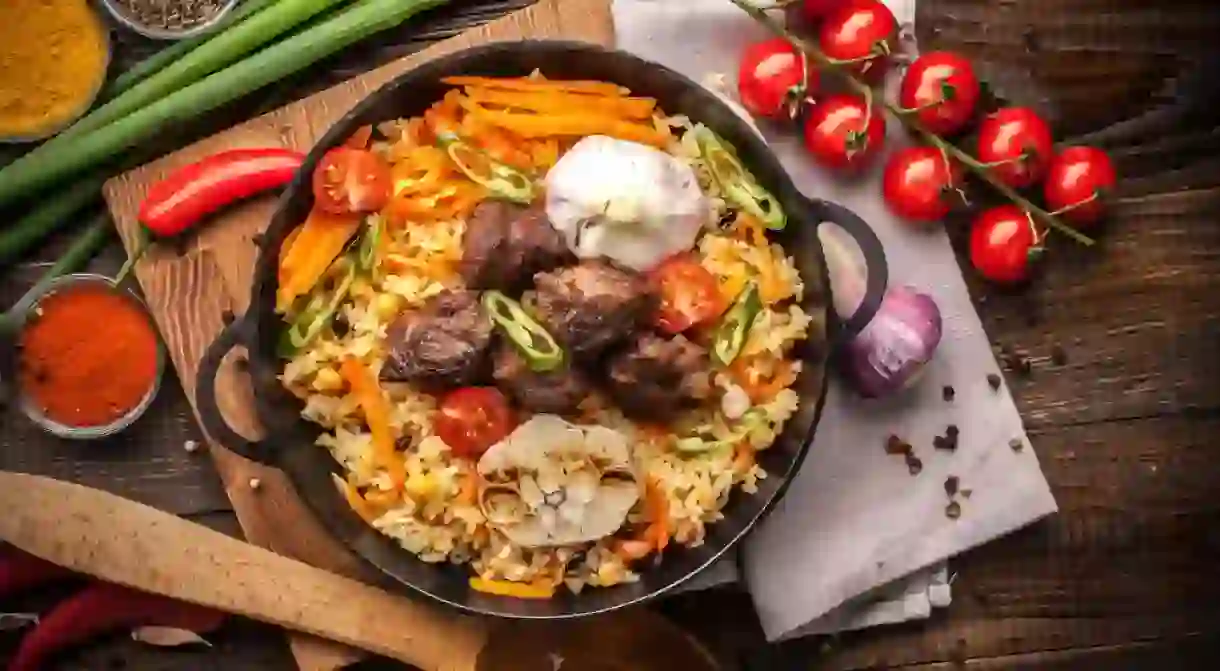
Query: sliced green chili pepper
column 369, row 242
column 540, row 350
column 739, row 186
column 735, row 325
column 500, row 179
column 316, row 316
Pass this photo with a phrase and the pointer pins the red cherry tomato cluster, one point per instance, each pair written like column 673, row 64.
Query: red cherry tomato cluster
column 939, row 93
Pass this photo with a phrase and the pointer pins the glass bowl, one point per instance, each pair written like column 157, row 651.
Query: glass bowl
column 30, row 407
column 86, row 102
column 121, row 15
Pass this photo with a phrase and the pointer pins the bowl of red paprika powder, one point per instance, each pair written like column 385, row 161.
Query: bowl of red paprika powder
column 88, row 359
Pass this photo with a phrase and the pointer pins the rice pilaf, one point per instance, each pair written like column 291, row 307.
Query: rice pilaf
column 429, row 501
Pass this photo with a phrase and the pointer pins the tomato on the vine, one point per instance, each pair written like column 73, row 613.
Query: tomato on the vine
column 1077, row 182
column 814, row 11
column 918, row 183
column 1018, row 142
column 350, row 180
column 943, row 89
column 842, row 132
column 1004, row 244
column 472, row 419
column 772, row 80
column 863, row 32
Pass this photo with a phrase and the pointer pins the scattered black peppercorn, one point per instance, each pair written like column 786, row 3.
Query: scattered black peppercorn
column 953, row 510
column 896, row 445
column 1016, row 444
column 914, row 464
column 951, row 431
column 943, row 443
column 951, row 483
column 994, row 381
column 1059, row 356
column 947, row 393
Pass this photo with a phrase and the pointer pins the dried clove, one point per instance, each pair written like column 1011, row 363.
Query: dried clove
column 994, row 381
column 914, row 464
column 947, row 393
column 951, row 484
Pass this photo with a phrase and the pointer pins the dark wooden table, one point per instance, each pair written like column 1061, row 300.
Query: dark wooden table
column 1127, row 427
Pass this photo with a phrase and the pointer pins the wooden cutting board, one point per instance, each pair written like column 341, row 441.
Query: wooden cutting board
column 190, row 293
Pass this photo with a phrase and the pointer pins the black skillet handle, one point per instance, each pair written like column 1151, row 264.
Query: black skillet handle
column 214, row 423
column 878, row 271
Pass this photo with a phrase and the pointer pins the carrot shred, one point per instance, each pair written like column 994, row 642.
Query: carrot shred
column 657, row 506
column 355, row 500
column 360, row 138
column 538, row 84
column 314, row 246
column 560, row 102
column 519, row 590
column 376, row 414
column 632, row 549
column 572, row 124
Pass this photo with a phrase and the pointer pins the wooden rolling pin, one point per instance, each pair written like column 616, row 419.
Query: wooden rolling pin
column 124, row 542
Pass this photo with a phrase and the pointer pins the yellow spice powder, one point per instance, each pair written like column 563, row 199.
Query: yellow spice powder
column 53, row 57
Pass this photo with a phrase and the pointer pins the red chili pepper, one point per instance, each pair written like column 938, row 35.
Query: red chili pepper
column 20, row 572
column 187, row 195
column 103, row 608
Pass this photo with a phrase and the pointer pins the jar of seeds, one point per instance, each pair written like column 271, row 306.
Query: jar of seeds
column 169, row 19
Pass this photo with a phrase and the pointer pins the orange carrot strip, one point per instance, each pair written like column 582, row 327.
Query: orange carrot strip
column 355, row 500
column 559, row 103
column 320, row 239
column 531, row 84
column 657, row 506
column 376, row 414
column 360, row 139
column 545, row 125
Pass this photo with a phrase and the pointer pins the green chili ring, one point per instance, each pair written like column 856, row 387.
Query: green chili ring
column 539, row 349
column 734, row 327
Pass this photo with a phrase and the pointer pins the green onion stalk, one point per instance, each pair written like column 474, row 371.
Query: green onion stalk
column 178, row 50
column 47, row 217
column 211, row 56
column 40, row 170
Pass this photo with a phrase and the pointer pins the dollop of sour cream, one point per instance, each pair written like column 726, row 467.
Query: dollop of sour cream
column 624, row 201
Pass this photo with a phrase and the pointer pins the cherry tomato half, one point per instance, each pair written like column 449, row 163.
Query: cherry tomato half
column 351, row 180
column 1020, row 141
column 1076, row 175
column 1003, row 244
column 859, row 29
column 771, row 79
column 689, row 294
column 918, row 183
column 814, row 11
column 945, row 90
column 837, row 136
column 472, row 419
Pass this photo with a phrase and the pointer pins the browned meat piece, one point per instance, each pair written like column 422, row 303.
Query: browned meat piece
column 590, row 306
column 559, row 391
column 656, row 378
column 505, row 244
column 442, row 344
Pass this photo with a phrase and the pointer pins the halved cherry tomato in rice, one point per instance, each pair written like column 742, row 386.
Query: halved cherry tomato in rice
column 351, row 180
column 689, row 294
column 472, row 419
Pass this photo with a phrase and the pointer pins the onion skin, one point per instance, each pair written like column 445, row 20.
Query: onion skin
column 891, row 352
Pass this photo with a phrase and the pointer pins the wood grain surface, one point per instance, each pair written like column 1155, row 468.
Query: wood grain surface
column 190, row 293
column 1124, row 576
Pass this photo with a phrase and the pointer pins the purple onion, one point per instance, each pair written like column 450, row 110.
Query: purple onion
column 888, row 355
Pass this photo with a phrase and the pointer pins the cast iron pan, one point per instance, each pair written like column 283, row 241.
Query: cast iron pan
column 290, row 439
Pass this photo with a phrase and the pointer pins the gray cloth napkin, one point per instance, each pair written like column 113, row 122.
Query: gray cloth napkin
column 858, row 540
